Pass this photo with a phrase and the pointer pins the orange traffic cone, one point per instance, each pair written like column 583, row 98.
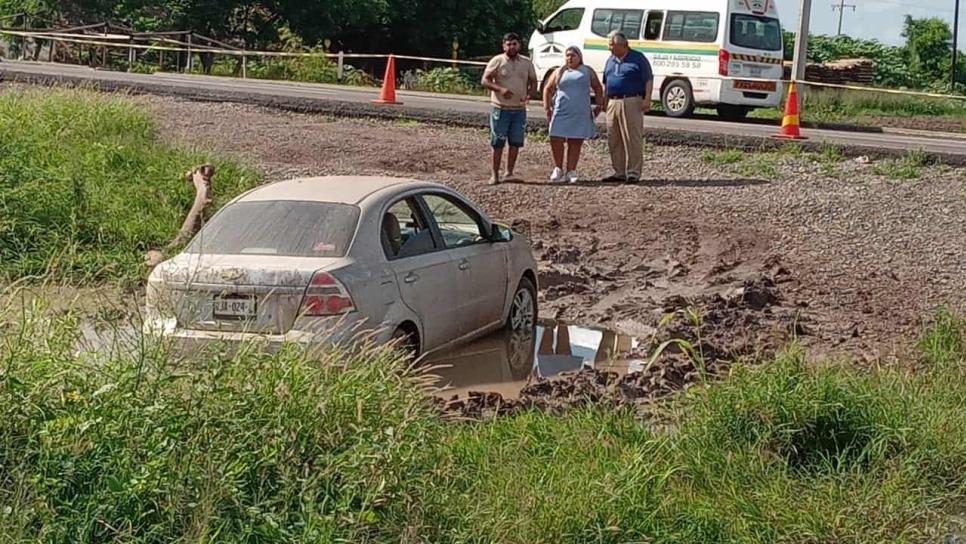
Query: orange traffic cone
column 790, row 123
column 388, row 94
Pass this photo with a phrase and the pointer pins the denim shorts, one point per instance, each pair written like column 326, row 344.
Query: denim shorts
column 508, row 126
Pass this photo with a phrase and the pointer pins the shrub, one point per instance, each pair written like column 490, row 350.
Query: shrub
column 86, row 188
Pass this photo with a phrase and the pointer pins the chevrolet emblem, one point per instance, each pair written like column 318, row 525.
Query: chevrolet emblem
column 231, row 274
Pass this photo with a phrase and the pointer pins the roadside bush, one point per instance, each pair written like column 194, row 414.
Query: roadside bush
column 86, row 187
column 343, row 445
column 443, row 80
column 229, row 447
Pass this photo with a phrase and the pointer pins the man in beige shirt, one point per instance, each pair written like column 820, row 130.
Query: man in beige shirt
column 511, row 79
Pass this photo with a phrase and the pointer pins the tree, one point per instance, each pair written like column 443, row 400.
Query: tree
column 928, row 48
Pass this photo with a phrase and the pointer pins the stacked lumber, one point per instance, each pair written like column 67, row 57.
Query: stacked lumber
column 838, row 72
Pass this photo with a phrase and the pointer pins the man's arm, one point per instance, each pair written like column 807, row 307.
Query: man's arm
column 532, row 82
column 648, row 75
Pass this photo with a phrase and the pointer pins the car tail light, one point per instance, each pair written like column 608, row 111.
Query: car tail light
column 723, row 58
column 325, row 296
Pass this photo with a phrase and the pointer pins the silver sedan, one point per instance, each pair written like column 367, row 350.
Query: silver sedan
column 328, row 259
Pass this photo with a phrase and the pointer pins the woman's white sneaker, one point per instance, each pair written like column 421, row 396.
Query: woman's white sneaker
column 557, row 175
column 572, row 176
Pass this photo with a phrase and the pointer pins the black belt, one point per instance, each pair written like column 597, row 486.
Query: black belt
column 622, row 96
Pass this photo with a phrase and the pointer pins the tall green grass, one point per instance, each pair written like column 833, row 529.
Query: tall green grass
column 344, row 446
column 848, row 106
column 86, row 186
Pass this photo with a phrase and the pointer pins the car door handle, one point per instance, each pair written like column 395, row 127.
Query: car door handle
column 464, row 265
column 411, row 278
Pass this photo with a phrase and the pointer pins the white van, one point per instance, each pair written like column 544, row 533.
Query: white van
column 725, row 54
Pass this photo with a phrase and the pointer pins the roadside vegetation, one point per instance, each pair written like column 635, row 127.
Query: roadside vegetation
column 765, row 163
column 86, row 187
column 871, row 108
column 132, row 445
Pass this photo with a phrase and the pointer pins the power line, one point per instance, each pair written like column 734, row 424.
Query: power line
column 909, row 5
column 841, row 7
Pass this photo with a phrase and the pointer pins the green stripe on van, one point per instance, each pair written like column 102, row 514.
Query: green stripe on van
column 661, row 50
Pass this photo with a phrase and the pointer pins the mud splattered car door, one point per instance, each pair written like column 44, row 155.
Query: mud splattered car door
column 481, row 264
column 426, row 276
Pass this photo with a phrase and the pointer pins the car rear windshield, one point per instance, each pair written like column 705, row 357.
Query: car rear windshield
column 279, row 227
column 754, row 32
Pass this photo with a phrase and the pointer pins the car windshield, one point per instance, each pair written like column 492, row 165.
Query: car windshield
column 279, row 227
column 753, row 32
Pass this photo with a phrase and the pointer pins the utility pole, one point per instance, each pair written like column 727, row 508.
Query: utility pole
column 801, row 41
column 841, row 7
column 955, row 46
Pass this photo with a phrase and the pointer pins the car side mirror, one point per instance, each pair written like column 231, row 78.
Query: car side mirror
column 500, row 233
column 541, row 28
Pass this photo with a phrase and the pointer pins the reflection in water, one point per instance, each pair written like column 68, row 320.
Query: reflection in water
column 506, row 362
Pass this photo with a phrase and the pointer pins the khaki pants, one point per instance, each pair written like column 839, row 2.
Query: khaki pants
column 625, row 135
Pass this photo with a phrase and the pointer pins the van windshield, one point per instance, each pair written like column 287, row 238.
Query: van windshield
column 754, row 32
column 568, row 19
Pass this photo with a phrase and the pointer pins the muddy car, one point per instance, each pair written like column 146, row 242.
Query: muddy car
column 333, row 259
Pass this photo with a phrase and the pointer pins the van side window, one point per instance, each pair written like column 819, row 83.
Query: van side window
column 568, row 19
column 691, row 26
column 627, row 21
column 652, row 27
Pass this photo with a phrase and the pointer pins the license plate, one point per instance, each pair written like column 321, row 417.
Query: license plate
column 234, row 307
column 754, row 71
column 769, row 86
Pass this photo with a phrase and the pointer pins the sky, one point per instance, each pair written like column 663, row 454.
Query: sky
column 879, row 19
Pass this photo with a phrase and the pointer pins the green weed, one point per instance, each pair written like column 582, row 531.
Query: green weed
column 86, row 188
column 759, row 165
column 406, row 123
column 723, row 158
column 908, row 167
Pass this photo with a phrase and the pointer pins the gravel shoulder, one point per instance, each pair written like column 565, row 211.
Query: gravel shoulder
column 839, row 256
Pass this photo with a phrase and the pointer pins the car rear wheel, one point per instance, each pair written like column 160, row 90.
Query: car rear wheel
column 406, row 341
column 523, row 309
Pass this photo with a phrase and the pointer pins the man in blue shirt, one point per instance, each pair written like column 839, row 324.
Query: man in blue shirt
column 628, row 84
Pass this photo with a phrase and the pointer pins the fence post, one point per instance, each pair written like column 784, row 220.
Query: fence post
column 50, row 52
column 244, row 66
column 456, row 50
column 130, row 56
column 161, row 59
column 188, row 63
column 340, row 71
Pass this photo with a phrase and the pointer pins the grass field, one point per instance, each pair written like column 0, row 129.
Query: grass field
column 345, row 446
column 86, row 187
column 866, row 107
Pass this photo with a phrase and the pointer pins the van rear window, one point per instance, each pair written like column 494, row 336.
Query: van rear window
column 691, row 26
column 754, row 32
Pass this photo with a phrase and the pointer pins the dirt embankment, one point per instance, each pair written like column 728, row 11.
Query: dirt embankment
column 840, row 256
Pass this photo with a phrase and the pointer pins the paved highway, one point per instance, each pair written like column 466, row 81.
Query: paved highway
column 213, row 88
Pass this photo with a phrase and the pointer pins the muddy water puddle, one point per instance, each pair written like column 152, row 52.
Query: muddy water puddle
column 506, row 363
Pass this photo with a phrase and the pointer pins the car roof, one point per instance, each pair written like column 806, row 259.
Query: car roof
column 337, row 189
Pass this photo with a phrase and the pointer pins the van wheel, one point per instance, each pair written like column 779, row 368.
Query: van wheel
column 523, row 308
column 677, row 99
column 730, row 112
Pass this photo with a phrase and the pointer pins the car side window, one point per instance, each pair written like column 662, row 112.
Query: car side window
column 457, row 224
column 404, row 232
